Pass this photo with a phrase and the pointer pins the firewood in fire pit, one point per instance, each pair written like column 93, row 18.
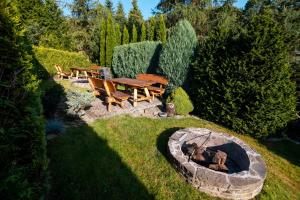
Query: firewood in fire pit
column 219, row 159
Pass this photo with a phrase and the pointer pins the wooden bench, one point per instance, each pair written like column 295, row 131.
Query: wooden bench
column 60, row 73
column 158, row 89
column 107, row 88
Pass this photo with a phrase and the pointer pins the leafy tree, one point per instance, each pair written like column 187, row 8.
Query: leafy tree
column 110, row 40
column 102, row 42
column 162, row 31
column 242, row 77
column 120, row 15
column 177, row 53
column 134, row 34
column 167, row 5
column 125, row 36
column 143, row 32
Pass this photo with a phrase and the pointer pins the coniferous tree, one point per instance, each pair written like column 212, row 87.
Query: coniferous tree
column 135, row 18
column 109, row 5
column 151, row 29
column 176, row 55
column 102, row 42
column 242, row 77
column 143, row 33
column 118, row 35
column 110, row 40
column 120, row 15
column 162, row 30
column 134, row 34
column 125, row 36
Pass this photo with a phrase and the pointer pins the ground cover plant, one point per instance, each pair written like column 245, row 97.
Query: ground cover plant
column 125, row 158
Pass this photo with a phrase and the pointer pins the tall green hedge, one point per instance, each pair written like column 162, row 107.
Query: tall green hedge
column 135, row 58
column 23, row 160
column 48, row 57
column 242, row 77
column 176, row 56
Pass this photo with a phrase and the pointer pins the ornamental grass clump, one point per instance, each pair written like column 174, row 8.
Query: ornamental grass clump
column 242, row 78
column 181, row 100
column 177, row 53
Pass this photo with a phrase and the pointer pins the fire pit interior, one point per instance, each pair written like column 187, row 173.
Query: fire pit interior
column 216, row 163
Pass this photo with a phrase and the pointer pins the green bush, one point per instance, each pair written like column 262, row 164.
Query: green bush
column 242, row 78
column 181, row 100
column 176, row 56
column 48, row 57
column 77, row 102
column 23, row 162
column 135, row 58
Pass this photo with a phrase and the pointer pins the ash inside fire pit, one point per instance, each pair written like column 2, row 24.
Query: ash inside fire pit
column 216, row 163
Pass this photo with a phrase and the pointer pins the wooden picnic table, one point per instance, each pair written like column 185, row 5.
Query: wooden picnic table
column 136, row 84
column 79, row 70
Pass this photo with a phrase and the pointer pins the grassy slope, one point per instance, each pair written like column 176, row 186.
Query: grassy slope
column 124, row 158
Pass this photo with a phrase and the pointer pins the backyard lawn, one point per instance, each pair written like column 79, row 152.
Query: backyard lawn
column 125, row 158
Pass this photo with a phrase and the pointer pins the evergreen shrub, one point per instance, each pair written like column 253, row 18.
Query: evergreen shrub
column 177, row 53
column 135, row 58
column 48, row 57
column 23, row 160
column 77, row 102
column 181, row 100
column 242, row 78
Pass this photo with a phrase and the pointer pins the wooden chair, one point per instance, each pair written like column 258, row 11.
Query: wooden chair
column 61, row 74
column 158, row 89
column 113, row 95
column 97, row 86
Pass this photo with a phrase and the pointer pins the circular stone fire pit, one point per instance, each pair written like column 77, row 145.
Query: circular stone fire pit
column 247, row 170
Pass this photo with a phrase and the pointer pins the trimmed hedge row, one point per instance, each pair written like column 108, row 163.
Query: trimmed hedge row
column 48, row 57
column 132, row 59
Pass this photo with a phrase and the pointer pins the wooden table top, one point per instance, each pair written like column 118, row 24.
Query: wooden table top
column 133, row 82
column 79, row 68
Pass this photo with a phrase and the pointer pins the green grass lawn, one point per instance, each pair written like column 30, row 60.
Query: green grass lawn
column 125, row 158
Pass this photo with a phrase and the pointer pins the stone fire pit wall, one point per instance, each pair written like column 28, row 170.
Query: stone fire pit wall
column 244, row 183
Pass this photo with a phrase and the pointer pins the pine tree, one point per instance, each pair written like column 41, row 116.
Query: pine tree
column 109, row 5
column 120, row 15
column 118, row 35
column 125, row 37
column 102, row 42
column 143, row 33
column 134, row 35
column 110, row 40
column 162, row 31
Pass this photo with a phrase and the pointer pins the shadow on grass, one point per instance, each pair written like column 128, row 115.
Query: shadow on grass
column 285, row 149
column 162, row 140
column 83, row 166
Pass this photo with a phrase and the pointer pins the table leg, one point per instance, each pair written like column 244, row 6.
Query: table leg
column 86, row 74
column 147, row 94
column 135, row 97
column 77, row 74
column 72, row 74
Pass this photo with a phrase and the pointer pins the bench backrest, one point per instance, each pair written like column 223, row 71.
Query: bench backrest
column 109, row 87
column 96, row 84
column 153, row 77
